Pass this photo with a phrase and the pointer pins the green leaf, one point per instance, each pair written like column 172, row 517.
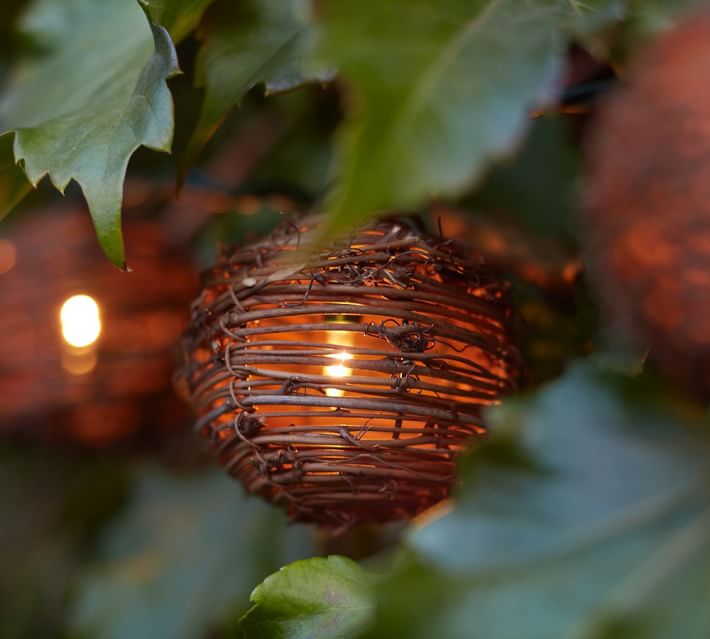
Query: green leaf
column 13, row 182
column 181, row 556
column 96, row 95
column 537, row 187
column 647, row 18
column 179, row 17
column 588, row 519
column 438, row 89
column 246, row 44
column 319, row 598
column 52, row 502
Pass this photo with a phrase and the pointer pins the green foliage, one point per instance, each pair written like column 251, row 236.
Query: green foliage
column 421, row 121
column 179, row 17
column 13, row 182
column 649, row 17
column 51, row 505
column 538, row 186
column 587, row 517
column 431, row 104
column 319, row 598
column 182, row 554
column 302, row 157
column 95, row 95
column 257, row 42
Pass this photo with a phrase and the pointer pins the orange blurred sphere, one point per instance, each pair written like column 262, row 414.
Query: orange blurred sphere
column 648, row 215
column 87, row 351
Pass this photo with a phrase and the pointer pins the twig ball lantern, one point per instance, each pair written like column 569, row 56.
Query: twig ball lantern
column 341, row 387
column 87, row 352
column 648, row 217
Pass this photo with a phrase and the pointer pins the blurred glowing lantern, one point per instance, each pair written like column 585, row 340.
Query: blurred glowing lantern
column 80, row 320
column 343, row 386
column 648, row 219
column 86, row 351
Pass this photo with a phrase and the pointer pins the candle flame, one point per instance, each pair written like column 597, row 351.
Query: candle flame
column 338, row 371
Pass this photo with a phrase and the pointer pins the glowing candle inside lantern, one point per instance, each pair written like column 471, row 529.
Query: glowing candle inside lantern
column 80, row 320
column 338, row 371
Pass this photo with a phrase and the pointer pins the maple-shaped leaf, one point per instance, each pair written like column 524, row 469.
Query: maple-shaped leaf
column 96, row 94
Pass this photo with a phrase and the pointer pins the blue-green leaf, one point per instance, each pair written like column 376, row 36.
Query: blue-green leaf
column 436, row 90
column 97, row 93
column 184, row 554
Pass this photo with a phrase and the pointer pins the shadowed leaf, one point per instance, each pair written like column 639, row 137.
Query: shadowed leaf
column 588, row 519
column 179, row 17
column 13, row 181
column 180, row 557
column 247, row 44
column 431, row 104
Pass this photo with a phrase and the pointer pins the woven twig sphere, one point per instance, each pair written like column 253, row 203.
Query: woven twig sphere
column 120, row 386
column 648, row 216
column 343, row 387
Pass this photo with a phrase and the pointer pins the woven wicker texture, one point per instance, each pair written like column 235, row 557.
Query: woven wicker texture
column 342, row 387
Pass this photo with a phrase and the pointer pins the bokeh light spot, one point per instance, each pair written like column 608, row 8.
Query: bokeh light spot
column 81, row 321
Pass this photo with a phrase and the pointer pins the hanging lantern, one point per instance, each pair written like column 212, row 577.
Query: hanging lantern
column 86, row 351
column 343, row 386
column 648, row 216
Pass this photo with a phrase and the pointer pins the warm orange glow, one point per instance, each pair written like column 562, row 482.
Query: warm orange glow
column 8, row 256
column 79, row 361
column 343, row 388
column 338, row 371
column 80, row 320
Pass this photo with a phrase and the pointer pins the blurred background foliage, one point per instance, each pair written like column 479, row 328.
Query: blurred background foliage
column 586, row 516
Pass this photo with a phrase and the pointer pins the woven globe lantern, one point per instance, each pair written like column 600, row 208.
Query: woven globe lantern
column 86, row 351
column 648, row 214
column 341, row 387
